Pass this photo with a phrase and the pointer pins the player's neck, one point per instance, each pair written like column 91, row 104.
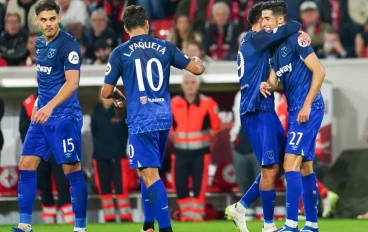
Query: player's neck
column 137, row 32
column 49, row 39
column 256, row 28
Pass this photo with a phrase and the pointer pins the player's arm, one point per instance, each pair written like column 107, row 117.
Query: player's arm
column 112, row 75
column 70, row 53
column 263, row 40
column 312, row 62
column 181, row 61
column 268, row 87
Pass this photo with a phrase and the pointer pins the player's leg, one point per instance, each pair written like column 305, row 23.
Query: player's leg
column 64, row 137
column 146, row 153
column 148, row 210
column 120, row 181
column 34, row 148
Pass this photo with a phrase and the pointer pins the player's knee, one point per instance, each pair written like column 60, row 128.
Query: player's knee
column 269, row 175
column 29, row 162
column 292, row 162
column 73, row 167
column 149, row 176
column 306, row 168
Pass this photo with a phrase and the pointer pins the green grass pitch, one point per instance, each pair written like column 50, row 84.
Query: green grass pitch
column 333, row 225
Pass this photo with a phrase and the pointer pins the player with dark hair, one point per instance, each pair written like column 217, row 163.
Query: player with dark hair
column 56, row 117
column 258, row 117
column 144, row 64
column 301, row 75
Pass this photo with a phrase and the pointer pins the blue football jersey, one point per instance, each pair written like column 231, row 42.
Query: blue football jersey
column 295, row 76
column 52, row 60
column 144, row 64
column 253, row 68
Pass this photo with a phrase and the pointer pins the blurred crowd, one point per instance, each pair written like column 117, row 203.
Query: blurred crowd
column 206, row 28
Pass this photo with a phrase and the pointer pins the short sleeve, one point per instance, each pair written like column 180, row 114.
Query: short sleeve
column 303, row 50
column 72, row 56
column 114, row 68
column 179, row 60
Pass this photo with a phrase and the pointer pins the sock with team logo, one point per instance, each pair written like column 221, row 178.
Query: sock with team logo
column 252, row 194
column 268, row 204
column 159, row 202
column 27, row 189
column 310, row 197
column 293, row 191
column 79, row 196
column 148, row 211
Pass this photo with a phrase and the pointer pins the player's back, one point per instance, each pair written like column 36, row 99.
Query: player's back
column 253, row 68
column 145, row 65
column 295, row 76
column 52, row 60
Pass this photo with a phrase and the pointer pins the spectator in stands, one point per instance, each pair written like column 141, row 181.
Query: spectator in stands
column 102, row 51
column 110, row 137
column 100, row 30
column 31, row 48
column 74, row 16
column 85, row 47
column 2, row 109
column 220, row 38
column 155, row 9
column 245, row 163
column 114, row 10
column 2, row 16
column 26, row 10
column 358, row 11
column 195, row 48
column 361, row 42
column 312, row 24
column 292, row 13
column 13, row 41
column 332, row 47
column 181, row 32
column 197, row 11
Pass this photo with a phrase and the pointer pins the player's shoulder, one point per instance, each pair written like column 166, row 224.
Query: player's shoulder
column 66, row 38
column 293, row 39
column 40, row 42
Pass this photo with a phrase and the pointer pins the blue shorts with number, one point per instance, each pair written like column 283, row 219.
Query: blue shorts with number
column 302, row 137
column 62, row 138
column 147, row 150
column 266, row 135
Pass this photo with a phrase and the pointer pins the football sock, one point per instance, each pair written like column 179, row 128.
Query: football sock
column 252, row 194
column 27, row 189
column 148, row 211
column 79, row 197
column 293, row 192
column 159, row 202
column 268, row 204
column 310, row 197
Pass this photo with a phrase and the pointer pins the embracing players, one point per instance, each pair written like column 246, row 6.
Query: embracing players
column 56, row 119
column 301, row 75
column 144, row 64
column 258, row 117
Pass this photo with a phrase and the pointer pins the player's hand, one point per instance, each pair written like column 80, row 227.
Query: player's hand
column 196, row 59
column 264, row 88
column 119, row 99
column 304, row 39
column 304, row 113
column 43, row 114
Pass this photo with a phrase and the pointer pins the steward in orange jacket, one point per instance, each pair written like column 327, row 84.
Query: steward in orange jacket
column 195, row 123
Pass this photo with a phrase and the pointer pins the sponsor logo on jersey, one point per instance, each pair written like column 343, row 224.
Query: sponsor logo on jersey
column 73, row 57
column 156, row 99
column 108, row 69
column 51, row 53
column 143, row 100
column 284, row 69
column 44, row 69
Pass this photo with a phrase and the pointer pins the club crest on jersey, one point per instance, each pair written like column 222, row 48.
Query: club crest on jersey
column 284, row 51
column 51, row 53
column 143, row 100
column 270, row 154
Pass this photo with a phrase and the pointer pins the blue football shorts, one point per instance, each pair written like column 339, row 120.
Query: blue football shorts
column 62, row 138
column 266, row 135
column 147, row 150
column 302, row 137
